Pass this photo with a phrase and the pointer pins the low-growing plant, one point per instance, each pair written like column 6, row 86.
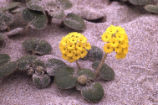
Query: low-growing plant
column 72, row 46
column 36, row 15
column 37, row 47
column 148, row 5
column 35, row 68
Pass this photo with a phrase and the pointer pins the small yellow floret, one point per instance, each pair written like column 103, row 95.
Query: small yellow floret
column 120, row 37
column 70, row 46
column 108, row 48
column 69, row 53
column 83, row 53
column 82, row 39
column 106, row 37
column 87, row 46
column 79, row 46
column 111, row 29
column 114, row 42
column 73, row 40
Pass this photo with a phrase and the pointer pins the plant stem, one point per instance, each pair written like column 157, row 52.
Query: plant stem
column 100, row 65
column 78, row 65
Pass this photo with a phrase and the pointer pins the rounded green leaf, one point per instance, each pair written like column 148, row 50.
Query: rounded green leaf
column 94, row 54
column 151, row 8
column 41, row 81
column 64, row 78
column 6, row 18
column 31, row 65
column 106, row 72
column 37, row 20
column 25, row 62
column 34, row 5
column 75, row 22
column 7, row 69
column 28, row 15
column 37, row 47
column 93, row 93
column 140, row 2
column 40, row 22
column 4, row 58
column 54, row 64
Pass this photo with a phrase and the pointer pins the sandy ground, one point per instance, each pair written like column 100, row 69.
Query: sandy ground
column 136, row 81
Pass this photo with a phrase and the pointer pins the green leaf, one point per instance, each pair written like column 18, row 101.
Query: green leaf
column 28, row 15
column 4, row 58
column 140, row 2
column 25, row 62
column 94, row 54
column 37, row 20
column 34, row 5
column 74, row 22
column 93, row 93
column 41, row 81
column 40, row 22
column 64, row 78
column 53, row 65
column 7, row 69
column 6, row 18
column 37, row 47
column 106, row 72
column 151, row 8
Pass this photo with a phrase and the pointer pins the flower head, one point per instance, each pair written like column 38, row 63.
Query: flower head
column 74, row 46
column 116, row 40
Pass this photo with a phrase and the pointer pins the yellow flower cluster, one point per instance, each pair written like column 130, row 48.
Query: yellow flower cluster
column 74, row 46
column 116, row 40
